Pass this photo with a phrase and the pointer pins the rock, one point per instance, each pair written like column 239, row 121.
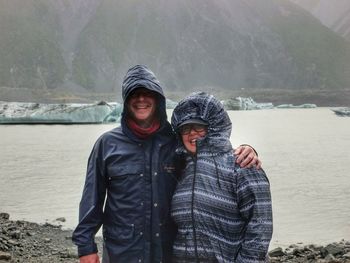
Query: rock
column 5, row 216
column 277, row 252
column 315, row 247
column 293, row 246
column 30, row 234
column 329, row 258
column 13, row 242
column 311, row 256
column 51, row 225
column 47, row 240
column 347, row 255
column 69, row 253
column 101, row 103
column 297, row 251
column 16, row 234
column 11, row 228
column 323, row 252
column 5, row 256
column 61, row 219
column 334, row 249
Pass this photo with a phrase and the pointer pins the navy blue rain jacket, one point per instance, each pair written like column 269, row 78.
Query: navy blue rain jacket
column 129, row 186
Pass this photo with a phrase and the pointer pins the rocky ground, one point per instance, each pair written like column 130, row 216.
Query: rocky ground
column 332, row 253
column 26, row 242
column 22, row 241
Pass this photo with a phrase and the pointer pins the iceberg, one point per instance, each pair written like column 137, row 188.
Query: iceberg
column 170, row 104
column 291, row 106
column 343, row 112
column 39, row 113
column 241, row 103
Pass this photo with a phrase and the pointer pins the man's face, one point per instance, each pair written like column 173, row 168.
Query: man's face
column 142, row 106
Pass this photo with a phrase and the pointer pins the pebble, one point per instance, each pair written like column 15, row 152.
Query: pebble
column 61, row 219
column 5, row 256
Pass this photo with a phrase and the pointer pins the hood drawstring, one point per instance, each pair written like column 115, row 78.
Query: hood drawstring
column 192, row 210
column 216, row 166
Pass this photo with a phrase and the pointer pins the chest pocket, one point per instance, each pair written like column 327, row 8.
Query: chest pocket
column 121, row 177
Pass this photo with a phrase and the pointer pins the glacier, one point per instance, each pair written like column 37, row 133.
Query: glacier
column 41, row 113
column 241, row 103
column 342, row 112
column 101, row 112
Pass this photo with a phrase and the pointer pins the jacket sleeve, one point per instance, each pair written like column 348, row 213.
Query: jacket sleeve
column 91, row 204
column 254, row 202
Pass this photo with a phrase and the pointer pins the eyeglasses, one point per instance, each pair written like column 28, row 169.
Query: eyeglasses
column 186, row 129
column 142, row 92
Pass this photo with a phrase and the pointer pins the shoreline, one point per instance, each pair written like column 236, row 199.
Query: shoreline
column 23, row 241
column 28, row 242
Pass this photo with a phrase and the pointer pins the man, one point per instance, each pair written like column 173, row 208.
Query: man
column 130, row 179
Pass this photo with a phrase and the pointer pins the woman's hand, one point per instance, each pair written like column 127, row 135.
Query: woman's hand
column 247, row 157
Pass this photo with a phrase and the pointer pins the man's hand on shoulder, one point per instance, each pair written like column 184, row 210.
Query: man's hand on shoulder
column 92, row 258
column 247, row 157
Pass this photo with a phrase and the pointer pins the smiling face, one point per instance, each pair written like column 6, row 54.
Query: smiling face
column 189, row 135
column 142, row 106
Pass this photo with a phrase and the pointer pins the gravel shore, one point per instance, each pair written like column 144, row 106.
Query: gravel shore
column 22, row 241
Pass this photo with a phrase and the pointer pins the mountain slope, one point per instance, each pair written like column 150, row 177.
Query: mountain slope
column 222, row 46
column 333, row 14
column 226, row 44
column 29, row 52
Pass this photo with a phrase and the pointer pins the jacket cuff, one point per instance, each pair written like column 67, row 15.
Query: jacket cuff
column 250, row 147
column 87, row 250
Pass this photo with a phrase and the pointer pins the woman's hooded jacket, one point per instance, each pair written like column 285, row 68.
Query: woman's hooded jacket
column 223, row 212
column 129, row 186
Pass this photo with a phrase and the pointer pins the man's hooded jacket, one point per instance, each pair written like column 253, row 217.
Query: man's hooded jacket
column 223, row 212
column 129, row 185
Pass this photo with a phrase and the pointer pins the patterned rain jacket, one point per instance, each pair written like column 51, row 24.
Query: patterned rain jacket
column 223, row 212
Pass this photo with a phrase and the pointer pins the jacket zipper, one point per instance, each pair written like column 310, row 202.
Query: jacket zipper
column 192, row 208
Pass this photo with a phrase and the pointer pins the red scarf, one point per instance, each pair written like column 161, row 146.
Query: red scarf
column 141, row 132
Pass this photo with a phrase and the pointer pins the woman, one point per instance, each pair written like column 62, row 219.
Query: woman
column 223, row 212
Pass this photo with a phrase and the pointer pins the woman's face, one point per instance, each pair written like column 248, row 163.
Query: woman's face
column 189, row 135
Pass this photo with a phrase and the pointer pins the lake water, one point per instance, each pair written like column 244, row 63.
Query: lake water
column 305, row 152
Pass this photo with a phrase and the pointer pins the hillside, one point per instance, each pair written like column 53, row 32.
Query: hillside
column 333, row 14
column 80, row 50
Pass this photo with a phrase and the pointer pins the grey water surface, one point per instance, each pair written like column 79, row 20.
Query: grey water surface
column 305, row 152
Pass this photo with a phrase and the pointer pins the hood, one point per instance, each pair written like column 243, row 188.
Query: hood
column 141, row 76
column 203, row 106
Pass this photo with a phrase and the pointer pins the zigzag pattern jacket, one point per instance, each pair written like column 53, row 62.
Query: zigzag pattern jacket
column 223, row 212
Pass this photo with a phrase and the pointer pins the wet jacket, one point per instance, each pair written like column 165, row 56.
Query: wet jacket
column 223, row 212
column 128, row 188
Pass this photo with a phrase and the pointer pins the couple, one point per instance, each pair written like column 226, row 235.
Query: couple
column 219, row 212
